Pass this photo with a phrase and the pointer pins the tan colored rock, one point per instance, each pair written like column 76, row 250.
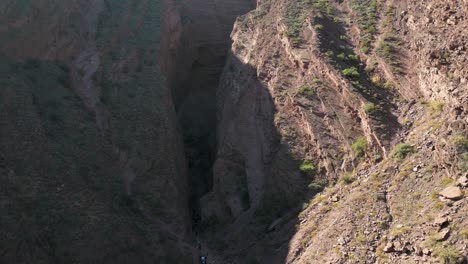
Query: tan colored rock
column 440, row 221
column 418, row 250
column 442, row 235
column 462, row 181
column 451, row 192
column 426, row 251
column 388, row 247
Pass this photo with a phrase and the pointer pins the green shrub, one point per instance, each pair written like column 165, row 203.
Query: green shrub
column 390, row 36
column 316, row 81
column 306, row 90
column 341, row 56
column 329, row 53
column 447, row 254
column 387, row 85
column 371, row 109
column 402, row 150
column 359, row 147
column 348, row 178
column 365, row 49
column 435, row 106
column 365, row 44
column 296, row 41
column 353, row 57
column 308, row 168
column 384, row 49
column 460, row 142
column 317, row 185
column 463, row 164
column 318, row 27
column 351, row 72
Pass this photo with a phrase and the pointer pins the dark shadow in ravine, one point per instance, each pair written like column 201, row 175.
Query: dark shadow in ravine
column 258, row 189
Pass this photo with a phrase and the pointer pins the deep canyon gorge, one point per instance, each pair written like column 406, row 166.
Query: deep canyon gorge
column 268, row 131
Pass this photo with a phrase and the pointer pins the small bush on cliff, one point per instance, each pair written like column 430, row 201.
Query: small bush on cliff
column 306, row 91
column 384, row 49
column 461, row 142
column 354, row 58
column 402, row 150
column 308, row 168
column 351, row 72
column 347, row 178
column 317, row 185
column 359, row 146
column 371, row 110
column 447, row 254
column 463, row 164
column 435, row 106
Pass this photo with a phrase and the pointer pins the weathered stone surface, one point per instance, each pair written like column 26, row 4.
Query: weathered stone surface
column 462, row 181
column 440, row 221
column 389, row 247
column 426, row 251
column 452, row 192
column 442, row 235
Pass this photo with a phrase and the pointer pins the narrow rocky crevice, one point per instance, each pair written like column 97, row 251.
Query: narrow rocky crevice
column 193, row 72
column 197, row 117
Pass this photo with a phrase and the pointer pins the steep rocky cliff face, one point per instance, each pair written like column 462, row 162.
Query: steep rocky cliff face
column 93, row 168
column 366, row 97
column 281, row 131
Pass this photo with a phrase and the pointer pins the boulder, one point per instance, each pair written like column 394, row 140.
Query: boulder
column 388, row 247
column 462, row 181
column 426, row 251
column 452, row 193
column 442, row 235
column 440, row 221
column 418, row 250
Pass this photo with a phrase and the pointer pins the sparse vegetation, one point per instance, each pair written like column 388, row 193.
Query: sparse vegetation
column 354, row 58
column 318, row 27
column 384, row 49
column 460, row 141
column 348, row 178
column 446, row 253
column 306, row 91
column 371, row 109
column 351, row 72
column 359, row 147
column 435, row 106
column 329, row 53
column 317, row 185
column 308, row 168
column 463, row 234
column 366, row 11
column 399, row 231
column 463, row 164
column 402, row 150
column 341, row 56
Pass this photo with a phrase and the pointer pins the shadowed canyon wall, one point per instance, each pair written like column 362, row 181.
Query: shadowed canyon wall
column 92, row 161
